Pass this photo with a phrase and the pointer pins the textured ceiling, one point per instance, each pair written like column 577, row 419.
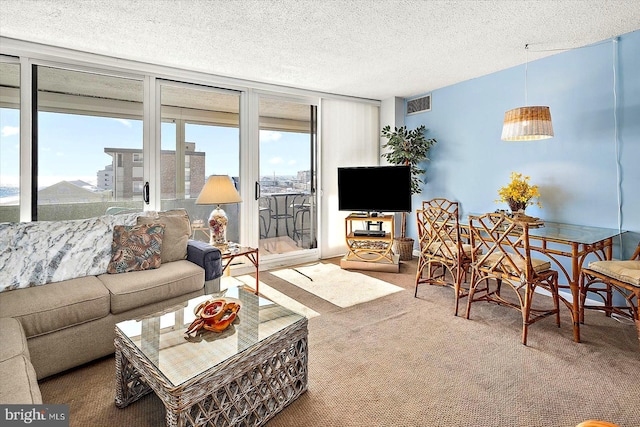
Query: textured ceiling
column 371, row 48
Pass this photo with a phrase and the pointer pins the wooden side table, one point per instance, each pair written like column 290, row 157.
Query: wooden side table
column 250, row 253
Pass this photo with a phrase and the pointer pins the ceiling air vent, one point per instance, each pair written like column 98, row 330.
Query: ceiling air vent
column 419, row 105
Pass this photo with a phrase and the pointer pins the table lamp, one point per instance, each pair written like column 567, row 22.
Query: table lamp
column 218, row 190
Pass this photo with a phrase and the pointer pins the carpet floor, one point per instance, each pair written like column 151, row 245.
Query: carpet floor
column 404, row 361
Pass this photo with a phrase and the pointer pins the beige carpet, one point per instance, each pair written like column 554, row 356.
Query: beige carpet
column 340, row 287
column 405, row 361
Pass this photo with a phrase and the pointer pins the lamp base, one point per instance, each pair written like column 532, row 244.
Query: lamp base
column 218, row 228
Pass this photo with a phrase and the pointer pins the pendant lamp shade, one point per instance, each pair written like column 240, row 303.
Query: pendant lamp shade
column 527, row 124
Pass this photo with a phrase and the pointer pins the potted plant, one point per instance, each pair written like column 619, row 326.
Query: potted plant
column 407, row 147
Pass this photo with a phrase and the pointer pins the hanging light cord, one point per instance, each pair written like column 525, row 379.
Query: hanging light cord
column 616, row 143
column 615, row 120
column 526, row 71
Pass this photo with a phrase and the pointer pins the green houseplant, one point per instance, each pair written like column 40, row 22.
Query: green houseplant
column 407, row 147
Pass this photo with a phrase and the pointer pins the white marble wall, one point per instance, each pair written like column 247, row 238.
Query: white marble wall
column 36, row 253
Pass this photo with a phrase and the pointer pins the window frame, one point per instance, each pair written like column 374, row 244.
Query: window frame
column 33, row 53
column 7, row 102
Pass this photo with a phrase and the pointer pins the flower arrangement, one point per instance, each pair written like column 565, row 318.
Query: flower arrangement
column 519, row 193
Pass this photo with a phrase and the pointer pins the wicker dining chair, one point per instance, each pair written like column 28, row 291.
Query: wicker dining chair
column 601, row 278
column 501, row 255
column 444, row 258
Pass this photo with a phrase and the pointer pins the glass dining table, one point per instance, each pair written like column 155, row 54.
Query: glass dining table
column 573, row 243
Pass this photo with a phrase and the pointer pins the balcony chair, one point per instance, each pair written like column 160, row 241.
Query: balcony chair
column 444, row 259
column 501, row 255
column 301, row 209
column 601, row 278
column 281, row 210
column 266, row 213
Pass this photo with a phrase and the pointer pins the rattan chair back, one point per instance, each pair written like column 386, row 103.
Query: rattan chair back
column 502, row 246
column 439, row 202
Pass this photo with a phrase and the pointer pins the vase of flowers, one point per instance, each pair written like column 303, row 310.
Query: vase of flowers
column 519, row 193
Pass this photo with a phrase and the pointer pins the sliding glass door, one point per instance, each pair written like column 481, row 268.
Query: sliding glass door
column 9, row 139
column 200, row 137
column 82, row 140
column 88, row 138
column 287, row 186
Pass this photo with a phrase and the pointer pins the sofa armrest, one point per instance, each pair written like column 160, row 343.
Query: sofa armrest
column 207, row 257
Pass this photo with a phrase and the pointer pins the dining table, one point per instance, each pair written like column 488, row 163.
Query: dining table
column 574, row 244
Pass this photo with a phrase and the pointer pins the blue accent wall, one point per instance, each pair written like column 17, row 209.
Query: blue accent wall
column 596, row 143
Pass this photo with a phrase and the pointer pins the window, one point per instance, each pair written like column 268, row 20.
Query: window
column 287, row 165
column 137, row 187
column 9, row 142
column 208, row 119
column 85, row 151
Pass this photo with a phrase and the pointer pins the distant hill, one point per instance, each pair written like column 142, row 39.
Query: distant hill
column 9, row 191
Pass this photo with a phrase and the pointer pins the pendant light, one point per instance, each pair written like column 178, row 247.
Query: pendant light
column 527, row 123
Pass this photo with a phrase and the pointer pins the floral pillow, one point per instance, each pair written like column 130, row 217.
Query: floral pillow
column 135, row 248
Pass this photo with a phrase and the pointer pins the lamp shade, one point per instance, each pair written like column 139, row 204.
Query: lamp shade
column 218, row 190
column 527, row 124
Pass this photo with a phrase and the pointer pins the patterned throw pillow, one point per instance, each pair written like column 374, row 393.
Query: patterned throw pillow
column 135, row 248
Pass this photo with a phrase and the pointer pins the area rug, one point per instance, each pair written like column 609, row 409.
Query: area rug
column 340, row 287
column 269, row 293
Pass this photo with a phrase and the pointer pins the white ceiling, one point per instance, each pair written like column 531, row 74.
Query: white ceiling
column 371, row 48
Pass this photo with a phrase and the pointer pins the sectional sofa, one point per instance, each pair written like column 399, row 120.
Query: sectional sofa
column 65, row 284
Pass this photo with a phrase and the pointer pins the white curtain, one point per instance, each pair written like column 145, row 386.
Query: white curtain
column 349, row 136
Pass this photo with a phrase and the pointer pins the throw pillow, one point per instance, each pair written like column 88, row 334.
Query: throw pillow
column 135, row 248
column 177, row 231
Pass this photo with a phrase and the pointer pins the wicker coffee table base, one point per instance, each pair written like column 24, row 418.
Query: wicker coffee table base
column 247, row 389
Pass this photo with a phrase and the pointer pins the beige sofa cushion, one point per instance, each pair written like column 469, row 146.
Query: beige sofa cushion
column 177, row 230
column 624, row 271
column 19, row 384
column 14, row 343
column 43, row 309
column 138, row 288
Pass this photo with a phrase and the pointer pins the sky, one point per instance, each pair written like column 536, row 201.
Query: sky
column 71, row 147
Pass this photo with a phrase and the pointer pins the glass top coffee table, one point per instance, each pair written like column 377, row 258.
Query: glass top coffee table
column 242, row 376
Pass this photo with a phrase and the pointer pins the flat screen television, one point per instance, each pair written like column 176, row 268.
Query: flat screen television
column 374, row 189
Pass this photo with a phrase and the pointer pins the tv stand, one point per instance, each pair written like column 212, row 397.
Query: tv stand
column 370, row 248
